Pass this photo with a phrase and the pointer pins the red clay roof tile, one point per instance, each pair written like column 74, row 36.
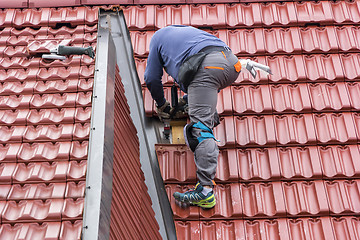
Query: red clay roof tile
column 30, row 17
column 295, row 129
column 56, row 86
column 76, row 170
column 340, row 161
column 75, row 190
column 207, row 15
column 45, row 3
column 282, row 40
column 246, row 78
column 257, row 164
column 345, row 226
column 255, row 131
column 329, row 97
column 6, row 17
column 41, row 133
column 13, row 117
column 242, row 15
column 82, row 114
column 18, row 62
column 263, row 200
column 10, row 134
column 314, row 12
column 277, row 14
column 4, row 191
column 346, row 12
column 349, row 63
column 290, row 98
column 246, row 41
column 37, row 172
column 305, row 198
column 8, row 152
column 141, row 42
column 324, row 67
column 335, row 128
column 300, row 228
column 299, row 163
column 347, row 37
column 79, row 151
column 71, row 230
column 36, row 191
column 37, row 162
column 172, row 14
column 250, row 99
column 72, row 209
column 354, row 92
column 286, row 69
column 140, row 17
column 318, row 39
column 48, row 230
column 343, row 196
column 188, row 229
column 280, row 132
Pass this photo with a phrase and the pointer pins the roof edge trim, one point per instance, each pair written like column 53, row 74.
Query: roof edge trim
column 98, row 193
column 148, row 132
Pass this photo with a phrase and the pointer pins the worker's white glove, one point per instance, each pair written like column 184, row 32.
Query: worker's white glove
column 252, row 66
column 164, row 111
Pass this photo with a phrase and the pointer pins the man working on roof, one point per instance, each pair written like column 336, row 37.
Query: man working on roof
column 202, row 64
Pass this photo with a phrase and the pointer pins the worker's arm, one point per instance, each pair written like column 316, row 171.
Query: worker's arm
column 153, row 74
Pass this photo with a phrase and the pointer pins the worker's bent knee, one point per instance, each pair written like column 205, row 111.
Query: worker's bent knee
column 193, row 141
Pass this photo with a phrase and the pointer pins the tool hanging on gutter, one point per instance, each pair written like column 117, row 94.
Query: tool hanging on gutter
column 61, row 51
column 252, row 66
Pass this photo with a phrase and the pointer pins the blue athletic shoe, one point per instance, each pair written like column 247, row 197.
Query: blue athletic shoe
column 196, row 197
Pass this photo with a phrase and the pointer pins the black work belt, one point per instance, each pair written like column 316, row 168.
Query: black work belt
column 191, row 65
column 210, row 49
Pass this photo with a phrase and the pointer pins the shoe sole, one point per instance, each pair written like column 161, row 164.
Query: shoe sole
column 205, row 204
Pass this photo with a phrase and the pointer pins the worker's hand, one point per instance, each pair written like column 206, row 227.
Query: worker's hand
column 182, row 109
column 252, row 66
column 183, row 105
column 164, row 111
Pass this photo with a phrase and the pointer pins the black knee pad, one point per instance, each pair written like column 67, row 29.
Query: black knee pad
column 190, row 140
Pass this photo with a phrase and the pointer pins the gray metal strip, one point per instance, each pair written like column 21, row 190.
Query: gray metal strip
column 98, row 193
column 148, row 131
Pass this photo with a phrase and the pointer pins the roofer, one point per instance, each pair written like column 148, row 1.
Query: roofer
column 202, row 65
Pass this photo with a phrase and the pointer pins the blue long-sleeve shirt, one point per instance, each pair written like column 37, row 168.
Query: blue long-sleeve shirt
column 169, row 47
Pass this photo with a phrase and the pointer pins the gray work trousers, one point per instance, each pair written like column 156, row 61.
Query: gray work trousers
column 216, row 72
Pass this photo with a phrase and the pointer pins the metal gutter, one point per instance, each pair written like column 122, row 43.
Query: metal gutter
column 147, row 128
column 114, row 46
column 98, row 193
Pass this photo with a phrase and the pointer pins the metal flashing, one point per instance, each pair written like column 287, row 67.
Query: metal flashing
column 96, row 220
column 147, row 131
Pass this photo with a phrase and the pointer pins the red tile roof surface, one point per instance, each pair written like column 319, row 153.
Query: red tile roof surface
column 45, row 110
column 132, row 216
column 44, row 122
column 289, row 151
column 289, row 143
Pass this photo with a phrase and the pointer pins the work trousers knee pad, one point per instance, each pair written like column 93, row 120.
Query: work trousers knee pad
column 193, row 141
